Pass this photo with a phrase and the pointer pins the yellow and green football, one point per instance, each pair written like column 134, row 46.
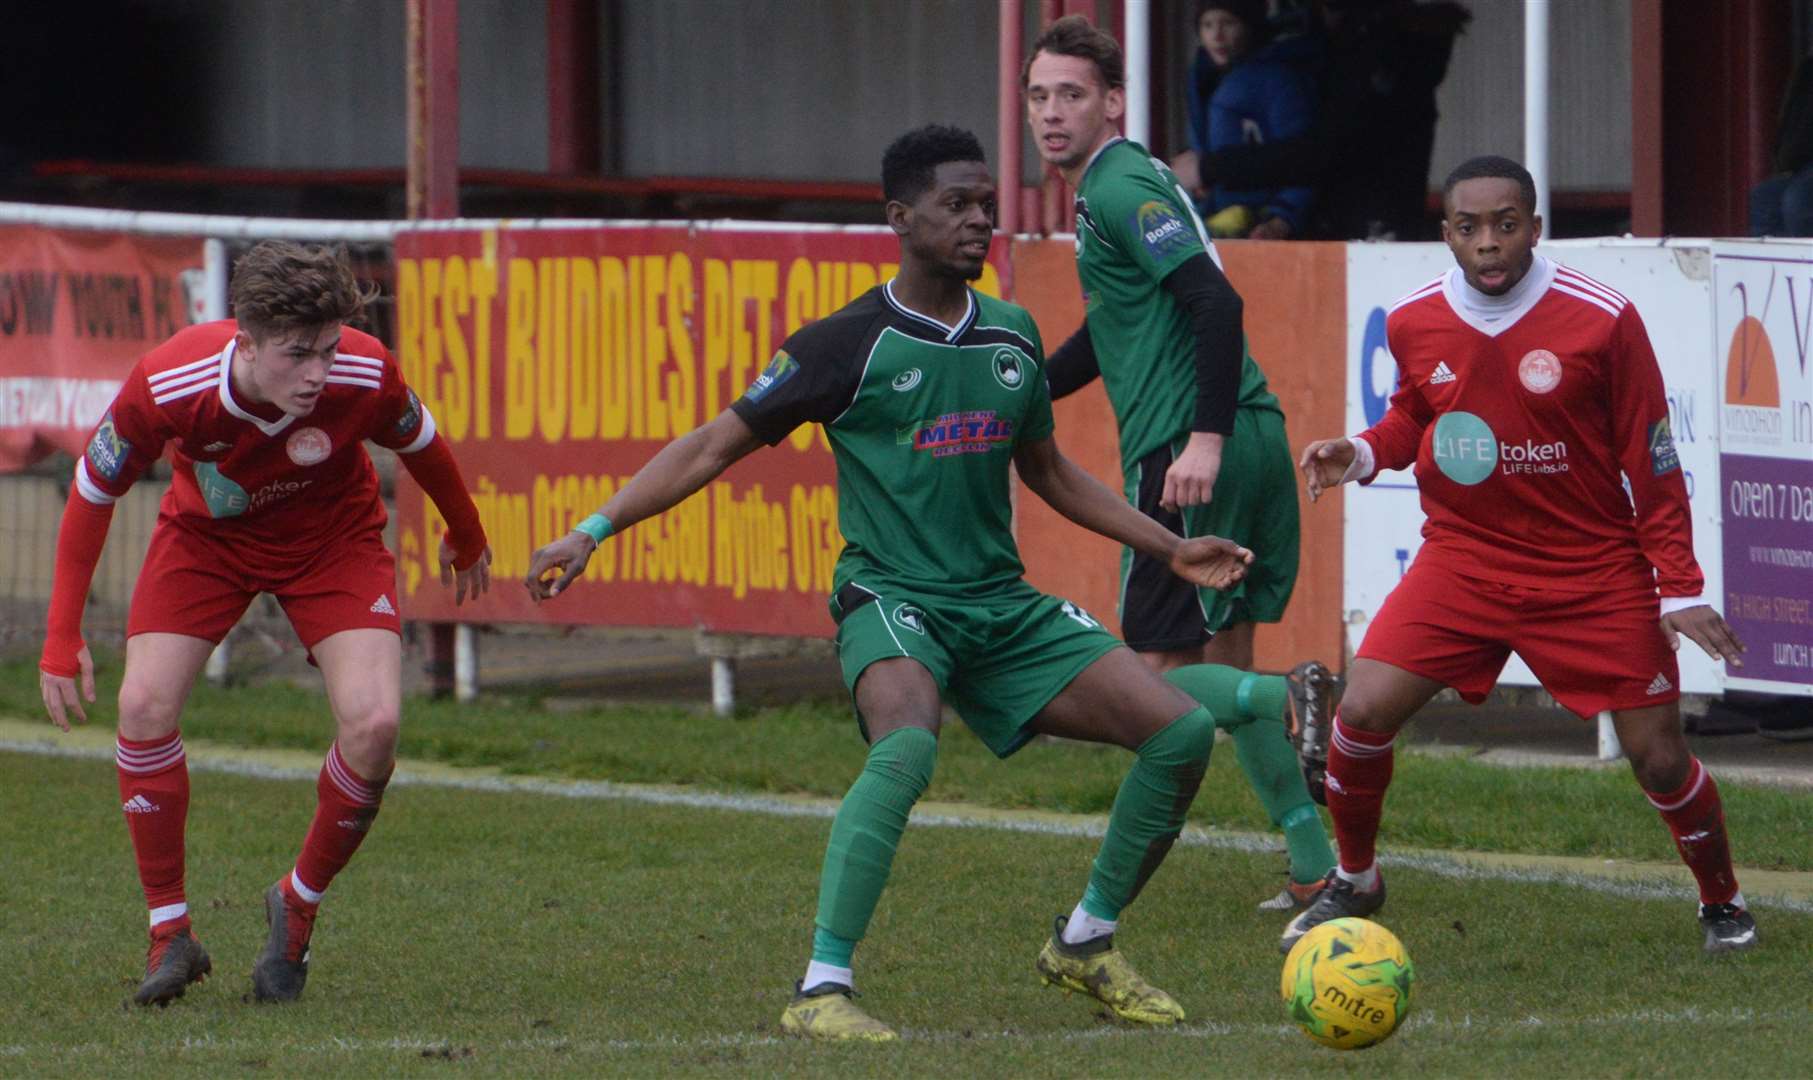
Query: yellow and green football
column 1347, row 983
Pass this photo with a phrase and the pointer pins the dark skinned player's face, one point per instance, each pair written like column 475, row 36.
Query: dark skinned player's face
column 1492, row 233
column 949, row 226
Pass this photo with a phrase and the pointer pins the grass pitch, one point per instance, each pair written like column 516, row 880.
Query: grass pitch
column 526, row 935
column 812, row 748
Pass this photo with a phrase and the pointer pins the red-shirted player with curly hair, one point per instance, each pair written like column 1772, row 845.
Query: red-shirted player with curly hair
column 272, row 491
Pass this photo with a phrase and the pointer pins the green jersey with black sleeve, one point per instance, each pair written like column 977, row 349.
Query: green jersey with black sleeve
column 923, row 419
column 1134, row 226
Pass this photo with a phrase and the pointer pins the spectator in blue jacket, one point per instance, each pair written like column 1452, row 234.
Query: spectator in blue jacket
column 1246, row 89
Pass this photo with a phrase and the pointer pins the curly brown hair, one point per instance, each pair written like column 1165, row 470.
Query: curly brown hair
column 280, row 286
column 1074, row 35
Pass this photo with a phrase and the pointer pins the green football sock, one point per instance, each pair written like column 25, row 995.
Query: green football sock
column 1234, row 696
column 1307, row 840
column 1256, row 702
column 864, row 835
column 1149, row 811
column 1270, row 763
column 828, row 948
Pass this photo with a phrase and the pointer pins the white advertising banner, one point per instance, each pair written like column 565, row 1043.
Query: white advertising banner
column 1672, row 289
column 1763, row 301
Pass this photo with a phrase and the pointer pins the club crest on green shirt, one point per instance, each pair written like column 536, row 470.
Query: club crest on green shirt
column 1009, row 371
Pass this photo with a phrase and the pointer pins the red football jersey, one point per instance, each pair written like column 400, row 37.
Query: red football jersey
column 271, row 484
column 1524, row 430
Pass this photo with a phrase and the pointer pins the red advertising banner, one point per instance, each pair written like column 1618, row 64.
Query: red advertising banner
column 77, row 308
column 558, row 361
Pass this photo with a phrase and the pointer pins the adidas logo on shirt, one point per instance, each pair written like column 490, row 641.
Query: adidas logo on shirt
column 138, row 804
column 383, row 606
column 1659, row 685
column 1442, row 374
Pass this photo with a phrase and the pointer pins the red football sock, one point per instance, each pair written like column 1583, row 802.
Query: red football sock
column 1359, row 771
column 1696, row 818
column 154, row 793
column 345, row 808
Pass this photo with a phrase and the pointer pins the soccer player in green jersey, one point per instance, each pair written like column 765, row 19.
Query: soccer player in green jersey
column 1203, row 448
column 928, row 391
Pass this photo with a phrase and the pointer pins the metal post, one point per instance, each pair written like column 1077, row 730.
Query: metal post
column 433, row 103
column 465, row 662
column 1008, row 114
column 723, row 685
column 1609, row 750
column 432, row 190
column 1536, row 98
column 216, row 268
column 573, row 128
column 1136, row 35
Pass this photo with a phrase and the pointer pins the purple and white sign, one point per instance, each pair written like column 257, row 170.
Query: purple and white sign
column 1769, row 564
column 1763, row 299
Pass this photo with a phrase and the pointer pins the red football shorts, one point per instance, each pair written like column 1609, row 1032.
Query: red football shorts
column 1592, row 651
column 196, row 584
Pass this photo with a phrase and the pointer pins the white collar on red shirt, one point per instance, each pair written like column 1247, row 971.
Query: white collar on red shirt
column 1493, row 315
column 269, row 427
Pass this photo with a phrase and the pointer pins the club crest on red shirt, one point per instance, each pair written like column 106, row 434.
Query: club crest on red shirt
column 309, row 446
column 1539, row 371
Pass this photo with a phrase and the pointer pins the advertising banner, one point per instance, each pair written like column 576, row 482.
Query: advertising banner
column 77, row 308
column 558, row 362
column 1763, row 298
column 1671, row 289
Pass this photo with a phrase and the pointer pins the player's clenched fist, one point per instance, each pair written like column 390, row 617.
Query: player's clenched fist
column 554, row 567
column 1210, row 561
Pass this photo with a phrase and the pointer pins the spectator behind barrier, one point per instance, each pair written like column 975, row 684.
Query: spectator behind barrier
column 1782, row 205
column 1260, row 94
column 1377, row 64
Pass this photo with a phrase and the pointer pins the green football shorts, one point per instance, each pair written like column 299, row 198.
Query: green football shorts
column 997, row 658
column 1255, row 504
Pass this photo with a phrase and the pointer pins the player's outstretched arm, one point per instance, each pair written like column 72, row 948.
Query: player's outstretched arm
column 1708, row 630
column 66, row 666
column 465, row 557
column 1209, row 560
column 679, row 469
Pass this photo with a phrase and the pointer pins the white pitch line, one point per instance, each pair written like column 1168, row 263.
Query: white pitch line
column 1658, row 1019
column 1085, row 828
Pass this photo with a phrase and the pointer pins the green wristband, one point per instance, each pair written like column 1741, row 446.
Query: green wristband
column 597, row 527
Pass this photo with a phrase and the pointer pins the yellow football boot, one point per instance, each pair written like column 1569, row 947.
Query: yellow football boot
column 1098, row 969
column 827, row 1012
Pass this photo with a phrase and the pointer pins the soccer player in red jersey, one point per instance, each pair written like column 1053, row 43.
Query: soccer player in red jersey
column 272, row 491
column 1528, row 397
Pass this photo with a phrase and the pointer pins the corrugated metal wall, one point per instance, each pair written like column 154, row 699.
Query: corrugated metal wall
column 1589, row 117
column 802, row 88
column 807, row 89
column 320, row 84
